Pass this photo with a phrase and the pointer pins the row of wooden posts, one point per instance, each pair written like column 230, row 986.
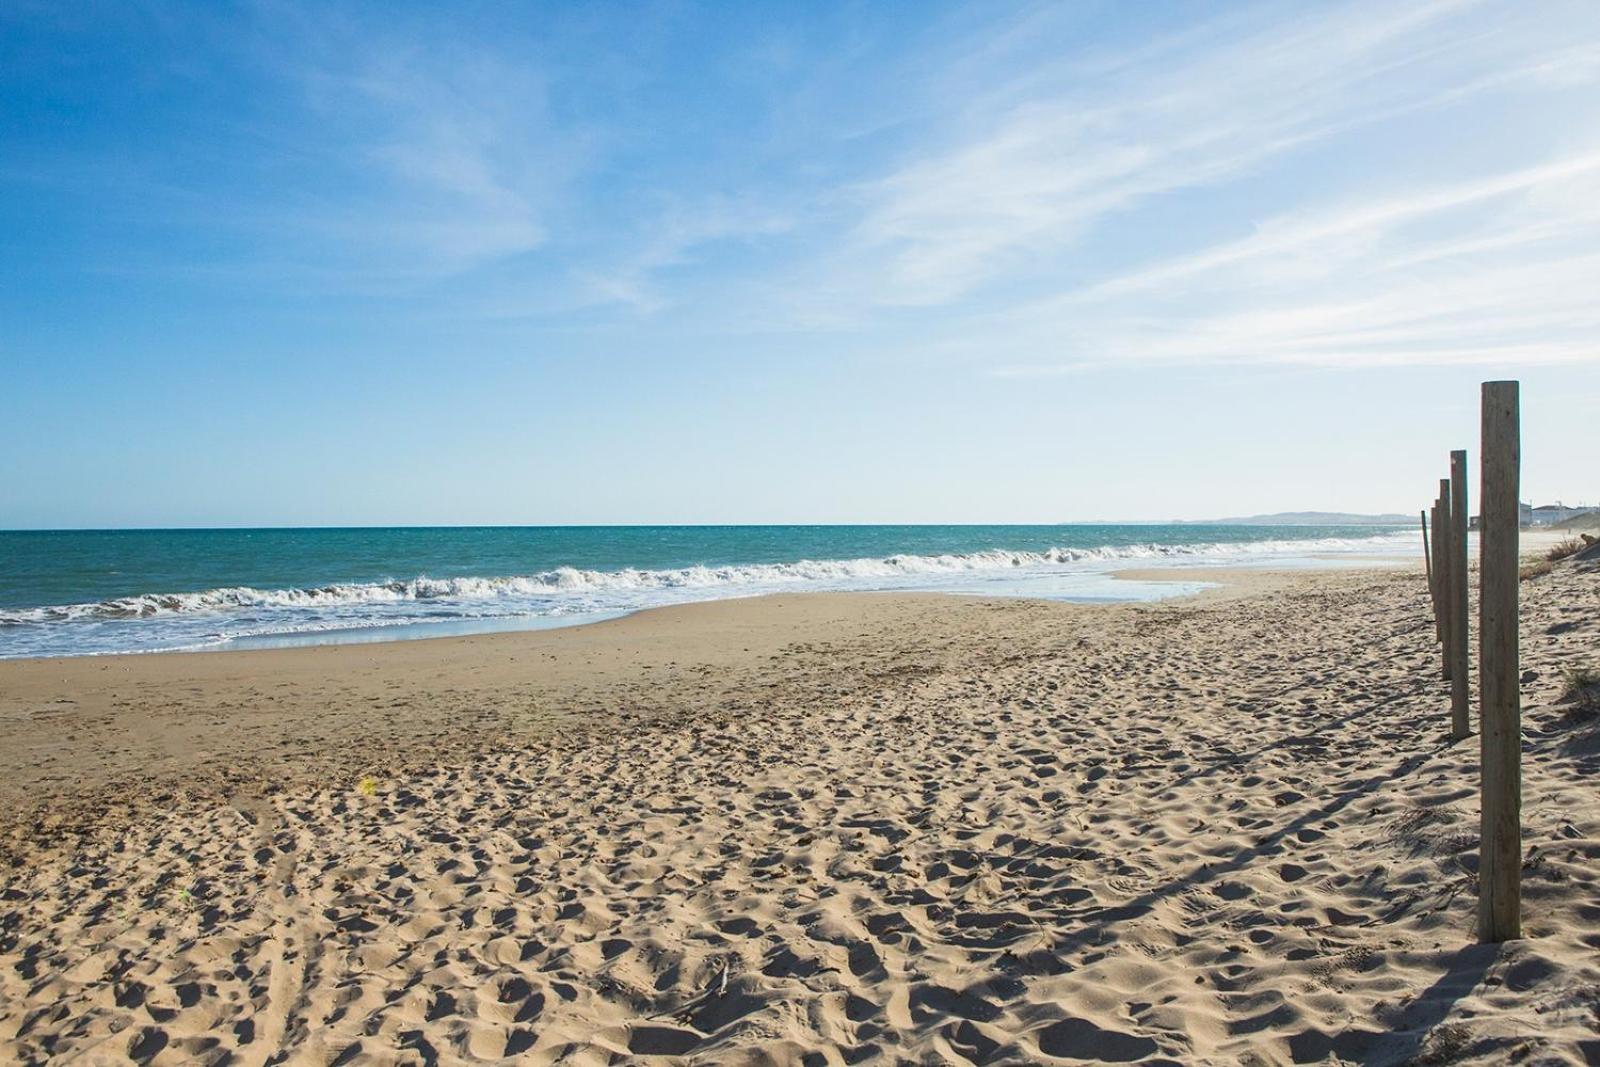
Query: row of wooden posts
column 1499, row 673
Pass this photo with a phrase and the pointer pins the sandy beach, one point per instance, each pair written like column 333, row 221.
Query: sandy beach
column 817, row 534
column 805, row 829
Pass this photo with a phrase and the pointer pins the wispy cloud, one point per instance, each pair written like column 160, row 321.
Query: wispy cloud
column 675, row 238
column 1321, row 234
column 1014, row 232
column 1021, row 190
column 1038, row 172
column 1499, row 269
column 450, row 156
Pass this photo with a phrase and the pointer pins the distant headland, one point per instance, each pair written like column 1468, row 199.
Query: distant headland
column 1307, row 518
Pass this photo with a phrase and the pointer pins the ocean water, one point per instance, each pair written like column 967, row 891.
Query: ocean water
column 104, row 591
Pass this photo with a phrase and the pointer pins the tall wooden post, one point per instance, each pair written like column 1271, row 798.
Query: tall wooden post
column 1460, row 723
column 1442, row 568
column 1500, row 700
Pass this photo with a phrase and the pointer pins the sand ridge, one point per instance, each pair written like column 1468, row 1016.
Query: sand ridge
column 898, row 830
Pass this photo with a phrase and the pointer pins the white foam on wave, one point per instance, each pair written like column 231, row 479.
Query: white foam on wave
column 564, row 581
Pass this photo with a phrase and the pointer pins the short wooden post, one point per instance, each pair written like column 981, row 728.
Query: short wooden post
column 1441, row 568
column 1499, row 696
column 1460, row 722
column 1427, row 569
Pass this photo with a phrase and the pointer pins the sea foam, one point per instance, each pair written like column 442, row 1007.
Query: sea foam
column 553, row 585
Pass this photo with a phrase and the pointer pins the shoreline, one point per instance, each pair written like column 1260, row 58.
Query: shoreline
column 90, row 731
column 1229, row 575
column 245, row 595
column 216, row 722
column 390, row 633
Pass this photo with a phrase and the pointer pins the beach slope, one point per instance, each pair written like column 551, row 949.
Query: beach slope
column 830, row 829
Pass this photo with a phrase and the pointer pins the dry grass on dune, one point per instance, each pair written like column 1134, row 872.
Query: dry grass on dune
column 1226, row 831
column 1581, row 690
column 1536, row 569
column 1563, row 549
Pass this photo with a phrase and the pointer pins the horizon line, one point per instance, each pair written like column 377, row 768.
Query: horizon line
column 1391, row 518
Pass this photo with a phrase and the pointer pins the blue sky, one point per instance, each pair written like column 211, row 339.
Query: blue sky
column 282, row 264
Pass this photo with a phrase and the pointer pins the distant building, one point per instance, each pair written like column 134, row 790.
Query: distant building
column 1550, row 514
column 1543, row 515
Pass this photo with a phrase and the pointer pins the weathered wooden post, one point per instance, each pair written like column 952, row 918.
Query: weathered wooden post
column 1460, row 723
column 1500, row 700
column 1438, row 555
column 1427, row 569
column 1441, row 570
column 1427, row 560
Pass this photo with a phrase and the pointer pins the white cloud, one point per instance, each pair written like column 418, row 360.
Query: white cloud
column 458, row 148
column 965, row 194
column 996, row 237
column 1507, row 275
column 1034, row 174
column 1320, row 233
column 426, row 151
column 674, row 238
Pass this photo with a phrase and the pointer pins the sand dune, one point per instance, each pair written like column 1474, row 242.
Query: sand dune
column 827, row 830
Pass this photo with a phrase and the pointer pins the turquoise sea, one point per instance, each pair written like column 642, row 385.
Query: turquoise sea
column 98, row 591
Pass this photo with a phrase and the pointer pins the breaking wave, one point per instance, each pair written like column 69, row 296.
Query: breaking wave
column 562, row 581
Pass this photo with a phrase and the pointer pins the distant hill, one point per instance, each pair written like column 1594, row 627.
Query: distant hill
column 1578, row 522
column 1314, row 518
